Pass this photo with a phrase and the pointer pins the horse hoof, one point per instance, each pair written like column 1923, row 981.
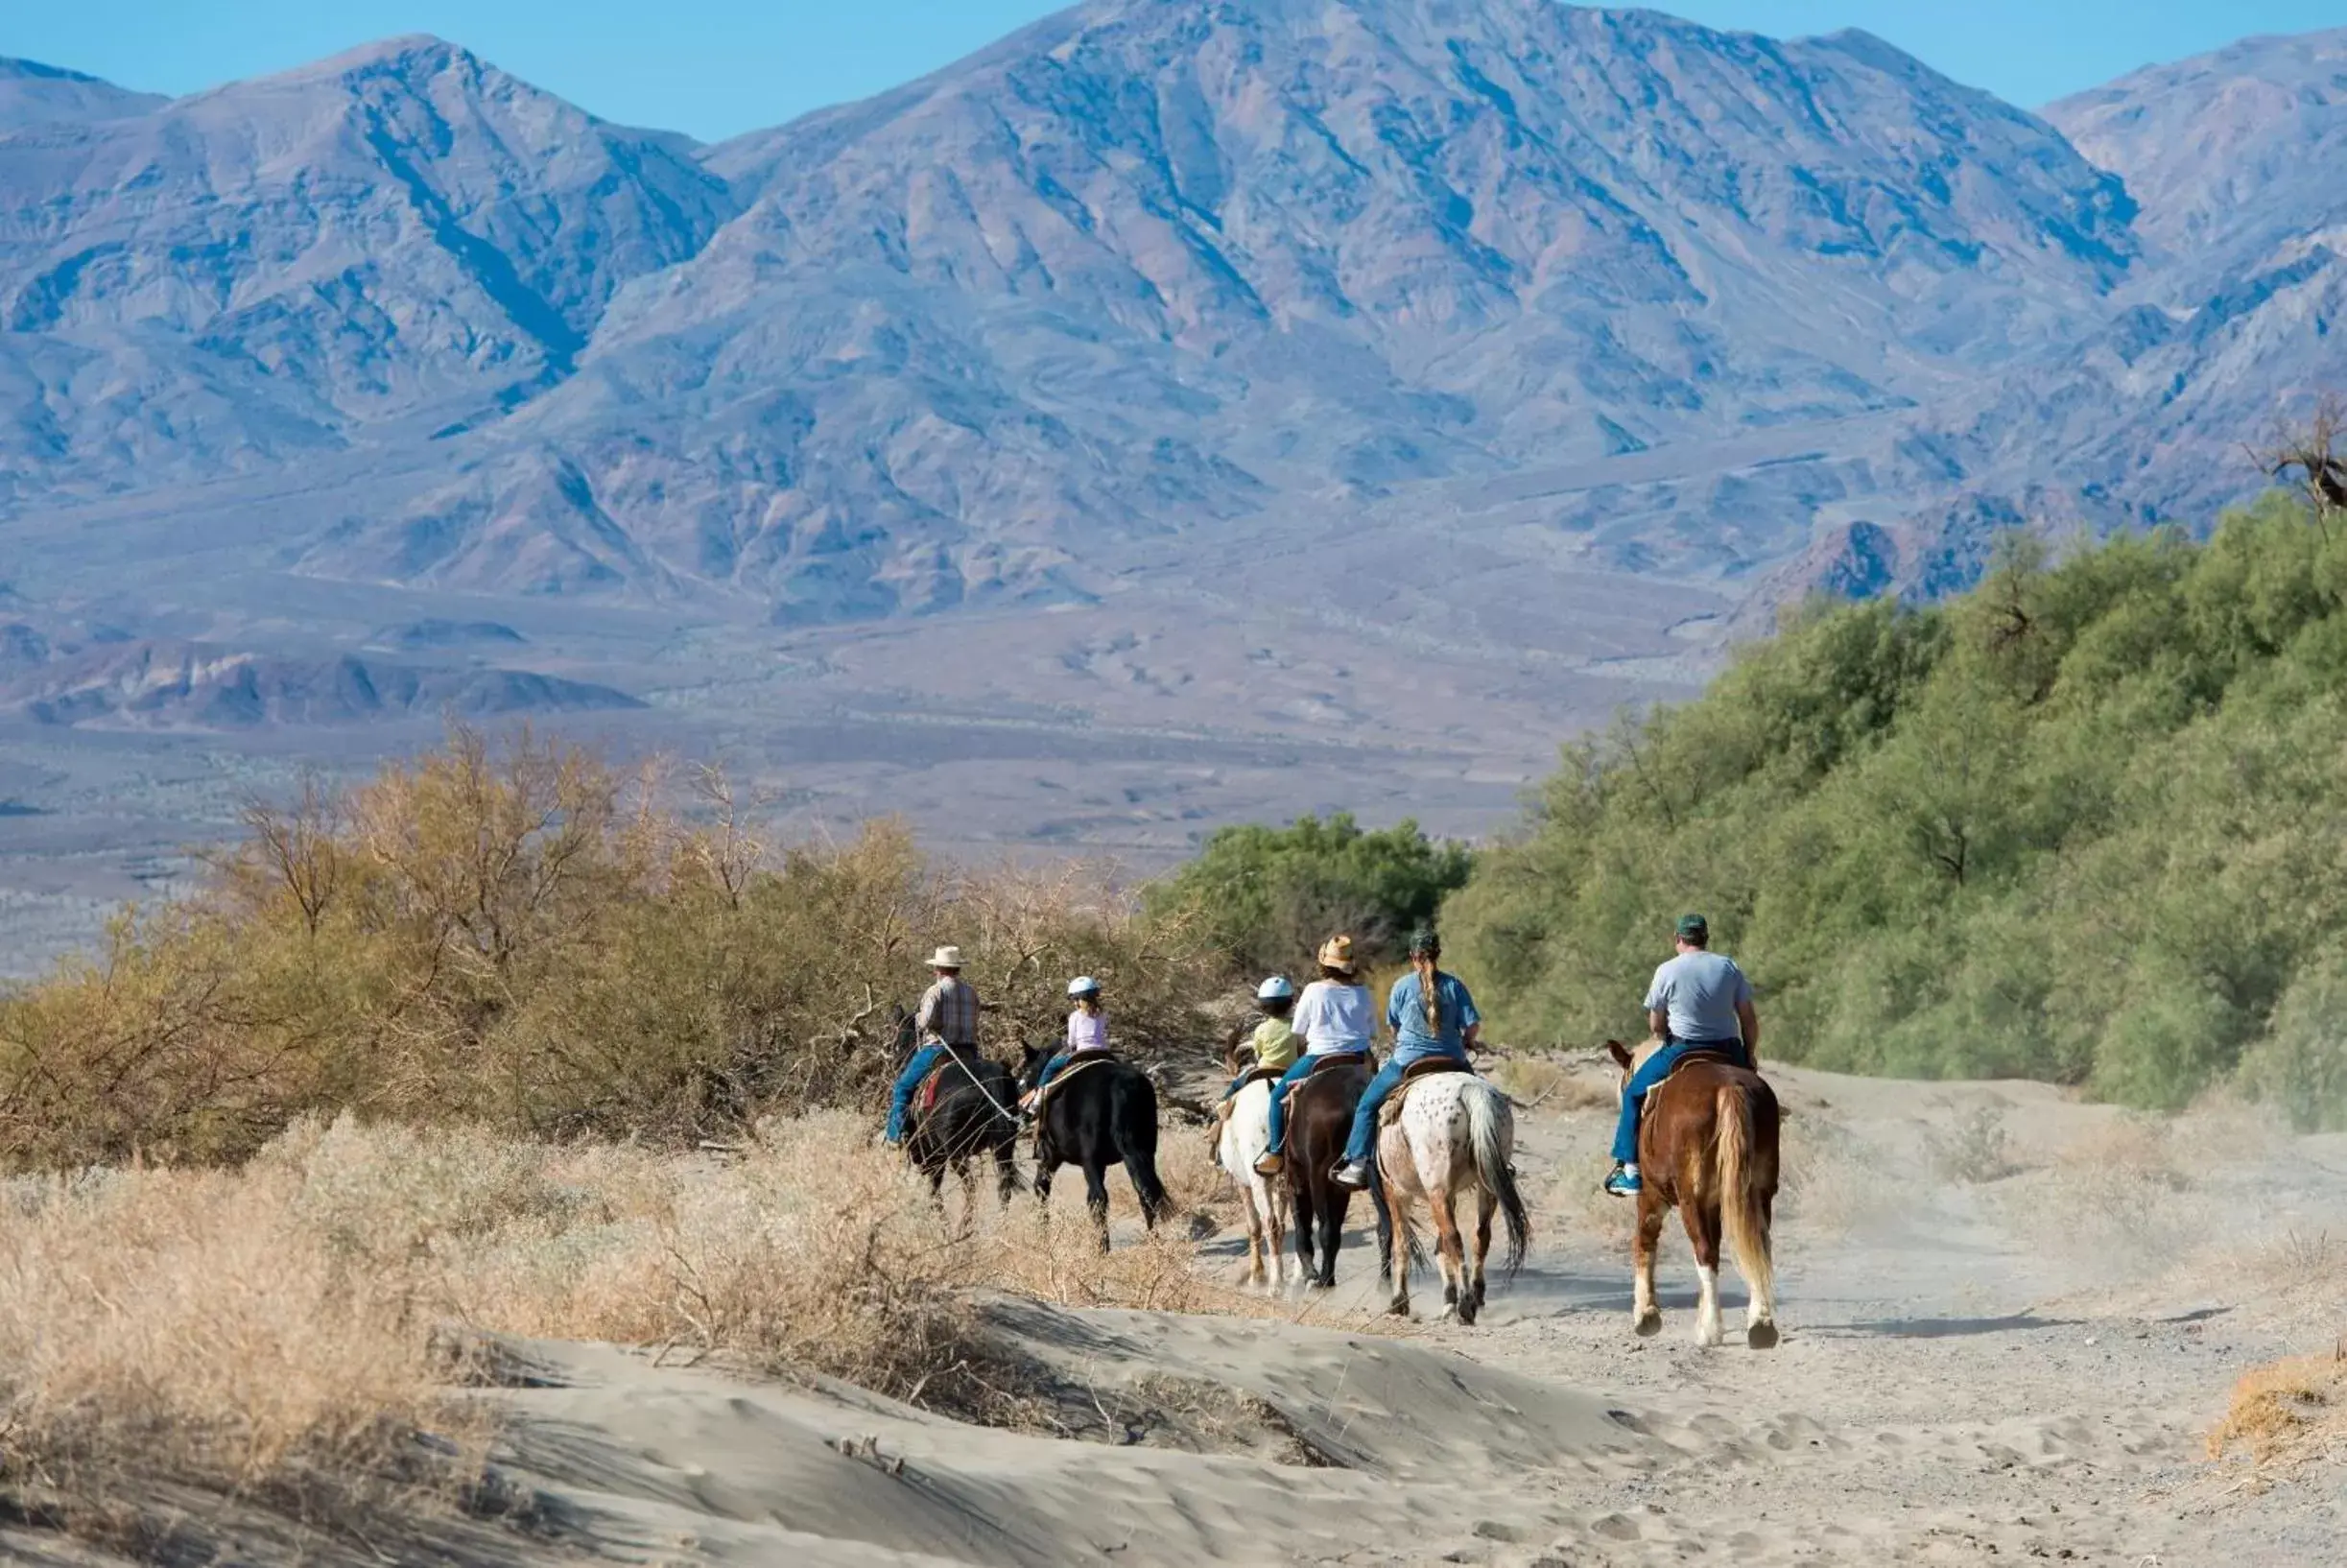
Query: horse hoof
column 1467, row 1310
column 1708, row 1338
column 1397, row 1309
column 1762, row 1336
column 1648, row 1325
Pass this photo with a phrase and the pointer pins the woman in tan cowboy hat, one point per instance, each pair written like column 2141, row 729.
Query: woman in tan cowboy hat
column 1336, row 1015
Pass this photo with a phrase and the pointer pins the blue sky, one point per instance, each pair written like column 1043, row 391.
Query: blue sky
column 717, row 67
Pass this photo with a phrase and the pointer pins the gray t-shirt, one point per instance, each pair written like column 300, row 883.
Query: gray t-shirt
column 1700, row 991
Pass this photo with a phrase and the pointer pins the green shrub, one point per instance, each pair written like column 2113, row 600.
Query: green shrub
column 2301, row 1067
column 2084, row 823
column 1264, row 899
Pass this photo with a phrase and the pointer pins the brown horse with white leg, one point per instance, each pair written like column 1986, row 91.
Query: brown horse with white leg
column 1707, row 1145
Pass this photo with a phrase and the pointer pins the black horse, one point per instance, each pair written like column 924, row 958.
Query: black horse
column 1097, row 1115
column 976, row 1112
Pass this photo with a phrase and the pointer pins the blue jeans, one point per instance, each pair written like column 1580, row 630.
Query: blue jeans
column 1051, row 1068
column 1361, row 1146
column 908, row 1080
column 1296, row 1071
column 1657, row 1068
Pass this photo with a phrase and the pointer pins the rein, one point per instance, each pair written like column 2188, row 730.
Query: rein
column 954, row 1056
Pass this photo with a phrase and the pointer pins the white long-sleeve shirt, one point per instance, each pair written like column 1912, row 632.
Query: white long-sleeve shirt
column 1087, row 1031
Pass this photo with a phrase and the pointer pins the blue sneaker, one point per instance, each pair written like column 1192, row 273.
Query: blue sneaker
column 1625, row 1183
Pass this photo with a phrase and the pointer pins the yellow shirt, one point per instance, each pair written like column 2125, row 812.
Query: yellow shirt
column 1274, row 1044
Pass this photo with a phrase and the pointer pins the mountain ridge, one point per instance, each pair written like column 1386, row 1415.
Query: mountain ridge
column 1136, row 284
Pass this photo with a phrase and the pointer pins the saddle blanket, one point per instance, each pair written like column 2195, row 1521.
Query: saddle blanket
column 1412, row 1076
column 925, row 1097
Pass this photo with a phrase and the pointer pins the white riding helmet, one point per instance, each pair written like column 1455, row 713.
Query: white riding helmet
column 1274, row 990
column 1083, row 985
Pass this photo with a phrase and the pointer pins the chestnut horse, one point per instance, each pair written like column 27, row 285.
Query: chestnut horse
column 1707, row 1145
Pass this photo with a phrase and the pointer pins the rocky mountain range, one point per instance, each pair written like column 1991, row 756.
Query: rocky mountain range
column 1276, row 373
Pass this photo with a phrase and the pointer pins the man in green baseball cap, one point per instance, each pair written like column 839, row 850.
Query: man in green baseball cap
column 1699, row 1001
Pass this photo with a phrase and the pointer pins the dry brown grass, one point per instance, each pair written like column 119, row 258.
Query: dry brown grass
column 2287, row 1412
column 249, row 1332
column 513, row 934
column 1829, row 1181
column 194, row 1329
column 1553, row 1085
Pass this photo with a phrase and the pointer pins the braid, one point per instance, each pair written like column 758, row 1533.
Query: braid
column 1430, row 993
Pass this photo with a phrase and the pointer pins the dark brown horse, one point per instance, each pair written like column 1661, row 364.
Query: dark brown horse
column 1319, row 1118
column 1707, row 1145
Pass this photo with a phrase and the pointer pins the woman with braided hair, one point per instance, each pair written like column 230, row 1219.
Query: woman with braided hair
column 1431, row 1015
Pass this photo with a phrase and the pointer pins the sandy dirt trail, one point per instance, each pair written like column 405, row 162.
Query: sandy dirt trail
column 2010, row 1319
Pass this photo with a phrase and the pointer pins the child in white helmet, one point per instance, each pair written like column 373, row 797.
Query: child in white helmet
column 1274, row 1038
column 1087, row 1033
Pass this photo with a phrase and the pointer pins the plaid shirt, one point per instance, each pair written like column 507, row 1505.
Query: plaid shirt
column 949, row 1012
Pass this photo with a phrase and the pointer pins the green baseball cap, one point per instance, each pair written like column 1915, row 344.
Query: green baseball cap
column 1694, row 928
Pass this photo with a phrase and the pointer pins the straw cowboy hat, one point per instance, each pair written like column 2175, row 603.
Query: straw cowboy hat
column 1336, row 953
column 946, row 958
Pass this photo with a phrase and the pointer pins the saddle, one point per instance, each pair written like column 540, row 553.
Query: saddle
column 1075, row 1064
column 1257, row 1075
column 1327, row 1063
column 1413, row 1075
column 1723, row 1057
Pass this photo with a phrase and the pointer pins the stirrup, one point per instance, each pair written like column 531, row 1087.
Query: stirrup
column 1353, row 1173
column 1624, row 1182
column 1270, row 1163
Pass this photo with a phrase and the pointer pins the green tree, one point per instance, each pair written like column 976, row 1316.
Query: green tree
column 1263, row 898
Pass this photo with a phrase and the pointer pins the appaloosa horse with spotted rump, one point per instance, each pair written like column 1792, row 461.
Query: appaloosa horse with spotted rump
column 1444, row 1136
column 1707, row 1145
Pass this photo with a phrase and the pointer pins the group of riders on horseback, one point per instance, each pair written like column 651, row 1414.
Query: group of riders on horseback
column 1712, row 1157
column 1699, row 1003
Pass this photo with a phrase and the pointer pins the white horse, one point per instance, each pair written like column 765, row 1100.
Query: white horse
column 1454, row 1137
column 1246, row 1136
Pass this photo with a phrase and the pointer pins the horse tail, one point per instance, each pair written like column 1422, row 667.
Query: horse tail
column 1490, row 1131
column 1136, row 1134
column 1740, row 1205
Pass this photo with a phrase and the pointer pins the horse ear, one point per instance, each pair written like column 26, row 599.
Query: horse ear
column 1619, row 1051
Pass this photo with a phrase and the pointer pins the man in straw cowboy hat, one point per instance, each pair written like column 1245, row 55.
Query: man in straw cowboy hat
column 1336, row 1015
column 947, row 1023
